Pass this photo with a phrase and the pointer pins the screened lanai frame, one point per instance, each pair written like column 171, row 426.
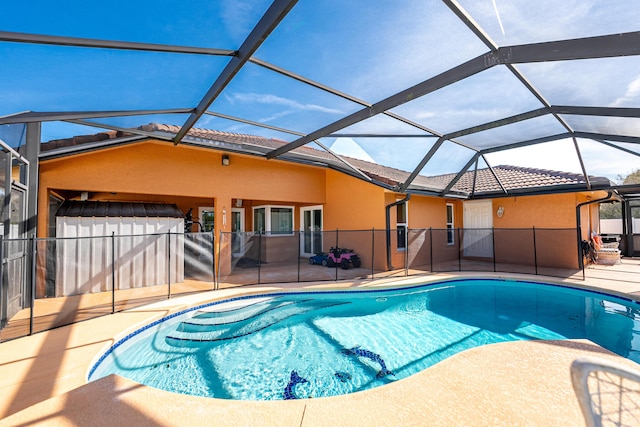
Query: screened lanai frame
column 500, row 58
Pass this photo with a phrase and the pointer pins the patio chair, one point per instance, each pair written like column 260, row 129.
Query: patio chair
column 608, row 393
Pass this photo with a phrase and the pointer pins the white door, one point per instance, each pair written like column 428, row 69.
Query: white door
column 478, row 223
column 237, row 231
column 311, row 230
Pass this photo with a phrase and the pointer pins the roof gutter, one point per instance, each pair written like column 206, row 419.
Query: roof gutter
column 388, row 223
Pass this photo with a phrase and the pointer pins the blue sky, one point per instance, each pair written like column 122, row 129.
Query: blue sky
column 369, row 49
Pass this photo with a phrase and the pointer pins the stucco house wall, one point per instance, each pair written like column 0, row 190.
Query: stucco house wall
column 156, row 171
column 193, row 176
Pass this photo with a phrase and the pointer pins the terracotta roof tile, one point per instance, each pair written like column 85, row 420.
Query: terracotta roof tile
column 79, row 140
column 511, row 177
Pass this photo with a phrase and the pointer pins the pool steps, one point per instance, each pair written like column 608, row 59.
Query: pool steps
column 216, row 311
column 187, row 332
column 235, row 316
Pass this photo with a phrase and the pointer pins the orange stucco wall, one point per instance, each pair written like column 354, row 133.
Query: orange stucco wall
column 548, row 211
column 554, row 217
column 159, row 171
column 188, row 176
column 425, row 212
column 354, row 204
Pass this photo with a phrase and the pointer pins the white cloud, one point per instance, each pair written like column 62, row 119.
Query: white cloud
column 598, row 159
column 278, row 115
column 238, row 17
column 630, row 98
column 265, row 98
column 556, row 155
column 412, row 43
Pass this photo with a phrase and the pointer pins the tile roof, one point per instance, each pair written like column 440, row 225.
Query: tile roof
column 510, row 177
column 79, row 140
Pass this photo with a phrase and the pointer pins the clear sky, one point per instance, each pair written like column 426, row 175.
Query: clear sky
column 368, row 49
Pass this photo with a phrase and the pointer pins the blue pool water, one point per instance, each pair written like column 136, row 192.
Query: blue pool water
column 303, row 345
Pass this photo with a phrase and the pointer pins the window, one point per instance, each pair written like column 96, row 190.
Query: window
column 401, row 225
column 273, row 220
column 450, row 229
column 206, row 217
column 258, row 220
column 281, row 221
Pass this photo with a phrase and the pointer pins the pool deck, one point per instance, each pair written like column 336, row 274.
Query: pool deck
column 42, row 376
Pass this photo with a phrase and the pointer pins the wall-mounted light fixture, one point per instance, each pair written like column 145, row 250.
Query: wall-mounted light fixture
column 225, row 160
column 500, row 211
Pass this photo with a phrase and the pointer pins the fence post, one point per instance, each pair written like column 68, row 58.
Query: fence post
column 213, row 257
column 535, row 250
column 169, row 264
column 33, row 281
column 2, row 314
column 113, row 272
column 336, row 266
column 406, row 251
column 298, row 251
column 259, row 254
column 581, row 254
column 373, row 250
column 459, row 251
column 216, row 284
column 430, row 249
column 493, row 243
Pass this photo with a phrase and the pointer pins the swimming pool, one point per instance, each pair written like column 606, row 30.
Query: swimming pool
column 312, row 344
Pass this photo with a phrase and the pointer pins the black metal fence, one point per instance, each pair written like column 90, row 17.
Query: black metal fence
column 51, row 282
column 252, row 258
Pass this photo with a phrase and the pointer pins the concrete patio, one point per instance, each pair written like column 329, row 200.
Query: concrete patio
column 43, row 376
